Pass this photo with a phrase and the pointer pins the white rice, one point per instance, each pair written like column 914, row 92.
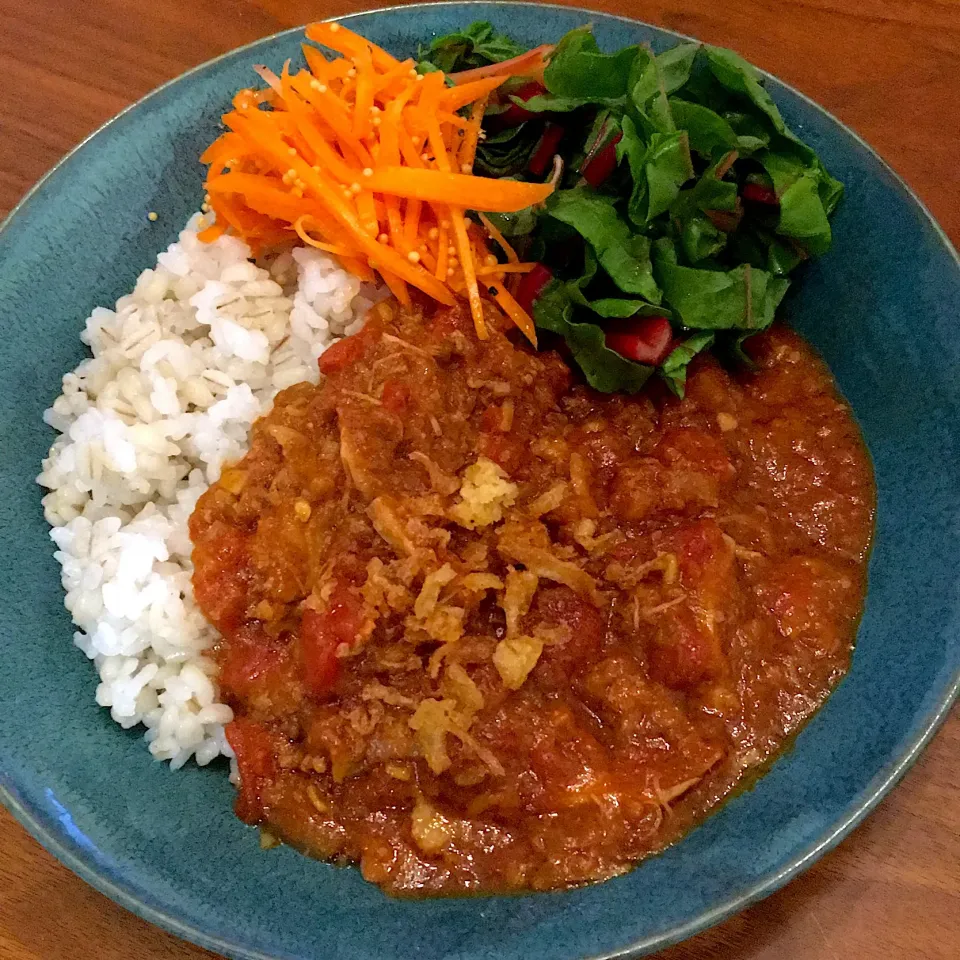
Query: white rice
column 180, row 370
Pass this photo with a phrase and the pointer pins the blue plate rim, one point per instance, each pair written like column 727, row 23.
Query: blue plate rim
column 887, row 778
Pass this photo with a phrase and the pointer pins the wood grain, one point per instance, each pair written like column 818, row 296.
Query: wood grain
column 888, row 68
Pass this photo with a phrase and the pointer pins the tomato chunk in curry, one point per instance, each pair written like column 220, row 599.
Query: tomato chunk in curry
column 485, row 629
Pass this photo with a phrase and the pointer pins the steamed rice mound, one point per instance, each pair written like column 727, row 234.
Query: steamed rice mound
column 180, row 369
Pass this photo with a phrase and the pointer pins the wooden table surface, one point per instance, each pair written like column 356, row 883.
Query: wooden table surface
column 888, row 68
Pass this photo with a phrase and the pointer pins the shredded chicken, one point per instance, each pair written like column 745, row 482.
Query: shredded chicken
column 390, row 526
column 442, row 482
column 353, row 461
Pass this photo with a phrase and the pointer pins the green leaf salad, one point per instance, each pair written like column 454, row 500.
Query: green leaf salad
column 683, row 200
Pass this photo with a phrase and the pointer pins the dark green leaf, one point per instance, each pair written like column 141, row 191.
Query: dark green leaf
column 668, row 168
column 676, row 64
column 508, row 135
column 517, row 224
column 625, row 256
column 678, row 245
column 808, row 194
column 475, row 46
column 610, row 308
column 655, row 116
column 709, row 134
column 831, row 190
column 718, row 299
column 753, row 133
column 783, row 165
column 548, row 103
column 733, row 349
column 740, row 77
column 639, row 67
column 783, row 257
column 652, row 85
column 700, row 238
column 634, row 148
column 802, row 215
column 750, row 245
column 604, row 369
column 613, row 308
column 579, row 71
column 507, row 153
column 663, row 74
column 659, row 168
column 674, row 368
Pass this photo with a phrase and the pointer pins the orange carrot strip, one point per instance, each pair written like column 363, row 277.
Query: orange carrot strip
column 442, row 256
column 358, row 268
column 424, row 102
column 244, row 124
column 317, row 63
column 304, row 147
column 330, row 195
column 505, row 268
column 368, row 213
column 364, row 101
column 514, row 311
column 468, row 149
column 498, row 237
column 395, row 222
column 334, row 113
column 456, row 97
column 215, row 149
column 517, row 66
column 455, row 120
column 386, row 81
column 411, row 222
column 460, row 232
column 336, row 36
column 328, row 158
column 409, row 151
column 325, row 155
column 390, row 128
column 298, row 169
column 442, row 186
column 243, row 219
column 209, row 234
column 438, row 146
column 322, row 95
column 469, row 271
column 242, row 99
column 222, row 149
column 266, row 192
column 336, row 248
column 396, row 286
column 340, row 68
column 430, row 89
column 427, row 258
column 262, row 197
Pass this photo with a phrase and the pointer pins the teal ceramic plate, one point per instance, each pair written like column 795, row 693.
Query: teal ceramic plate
column 883, row 309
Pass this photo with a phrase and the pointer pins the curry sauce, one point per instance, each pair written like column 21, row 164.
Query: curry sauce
column 486, row 629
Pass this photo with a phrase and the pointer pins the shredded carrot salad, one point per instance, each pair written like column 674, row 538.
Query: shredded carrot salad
column 363, row 157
